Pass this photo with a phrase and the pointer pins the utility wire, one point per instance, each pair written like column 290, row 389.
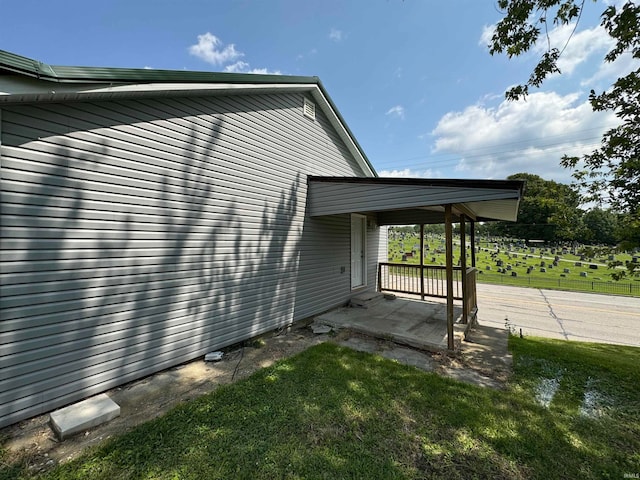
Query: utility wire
column 492, row 149
column 454, row 158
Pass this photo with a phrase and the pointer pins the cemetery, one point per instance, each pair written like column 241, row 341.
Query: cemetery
column 520, row 263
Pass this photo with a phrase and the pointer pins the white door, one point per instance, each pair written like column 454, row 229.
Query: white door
column 358, row 253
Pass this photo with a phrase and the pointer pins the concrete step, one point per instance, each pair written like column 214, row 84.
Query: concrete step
column 83, row 415
column 366, row 299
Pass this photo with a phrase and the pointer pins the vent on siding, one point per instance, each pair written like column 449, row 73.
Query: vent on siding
column 309, row 109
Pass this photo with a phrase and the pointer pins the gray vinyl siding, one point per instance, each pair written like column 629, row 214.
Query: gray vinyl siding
column 137, row 235
column 377, row 243
column 330, row 198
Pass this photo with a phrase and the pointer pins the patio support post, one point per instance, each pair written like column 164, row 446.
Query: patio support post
column 463, row 268
column 448, row 233
column 472, row 227
column 422, row 261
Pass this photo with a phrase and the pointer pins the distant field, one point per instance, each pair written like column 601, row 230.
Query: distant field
column 514, row 264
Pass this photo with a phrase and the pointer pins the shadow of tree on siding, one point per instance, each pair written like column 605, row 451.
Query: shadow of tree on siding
column 140, row 293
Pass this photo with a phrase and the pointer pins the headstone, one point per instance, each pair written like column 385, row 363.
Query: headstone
column 583, row 274
column 488, row 267
column 404, row 258
column 509, row 267
column 514, row 274
column 578, row 264
column 593, row 266
column 563, row 275
column 612, row 258
column 499, row 263
column 543, row 270
column 543, row 263
column 566, row 270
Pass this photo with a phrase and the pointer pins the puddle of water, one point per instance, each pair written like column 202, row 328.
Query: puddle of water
column 593, row 403
column 546, row 390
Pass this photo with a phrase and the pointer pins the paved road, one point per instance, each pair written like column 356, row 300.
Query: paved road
column 585, row 317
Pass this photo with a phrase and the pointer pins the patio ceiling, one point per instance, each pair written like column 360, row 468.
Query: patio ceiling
column 406, row 201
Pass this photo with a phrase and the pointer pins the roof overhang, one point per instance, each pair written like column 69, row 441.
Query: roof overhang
column 408, row 201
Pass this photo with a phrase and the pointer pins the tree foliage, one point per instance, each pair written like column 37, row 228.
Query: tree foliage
column 611, row 173
column 548, row 211
column 600, row 227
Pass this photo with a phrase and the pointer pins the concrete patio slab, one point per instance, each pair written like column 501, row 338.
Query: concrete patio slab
column 406, row 321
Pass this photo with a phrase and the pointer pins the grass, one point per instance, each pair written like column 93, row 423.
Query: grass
column 597, row 280
column 333, row 413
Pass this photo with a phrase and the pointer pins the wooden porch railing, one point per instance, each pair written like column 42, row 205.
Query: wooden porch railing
column 470, row 300
column 430, row 281
column 405, row 278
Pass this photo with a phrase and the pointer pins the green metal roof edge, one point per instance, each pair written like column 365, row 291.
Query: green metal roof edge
column 63, row 74
column 59, row 73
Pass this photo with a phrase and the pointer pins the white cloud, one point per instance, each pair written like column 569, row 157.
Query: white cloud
column 579, row 47
column 609, row 72
column 397, row 112
column 408, row 173
column 485, row 36
column 264, row 71
column 237, row 67
column 616, row 3
column 243, row 67
column 527, row 136
column 210, row 49
column 576, row 47
column 335, row 35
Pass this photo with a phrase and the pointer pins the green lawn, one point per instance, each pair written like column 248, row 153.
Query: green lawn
column 555, row 277
column 333, row 413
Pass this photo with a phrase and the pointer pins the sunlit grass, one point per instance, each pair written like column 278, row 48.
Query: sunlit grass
column 334, row 413
column 554, row 278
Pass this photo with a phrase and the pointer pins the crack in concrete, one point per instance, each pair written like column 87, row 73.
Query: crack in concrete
column 554, row 316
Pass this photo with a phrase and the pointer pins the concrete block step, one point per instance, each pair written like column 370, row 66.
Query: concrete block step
column 83, row 415
column 366, row 299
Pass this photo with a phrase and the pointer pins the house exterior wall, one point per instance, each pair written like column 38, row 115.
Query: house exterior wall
column 378, row 243
column 139, row 234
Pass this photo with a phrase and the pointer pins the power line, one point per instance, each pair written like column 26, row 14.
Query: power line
column 452, row 158
column 493, row 149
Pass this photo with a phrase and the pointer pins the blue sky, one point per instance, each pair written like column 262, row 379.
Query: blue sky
column 413, row 79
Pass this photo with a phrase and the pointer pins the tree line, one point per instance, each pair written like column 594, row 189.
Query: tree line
column 553, row 212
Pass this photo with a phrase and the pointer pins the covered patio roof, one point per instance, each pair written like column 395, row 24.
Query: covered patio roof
column 404, row 201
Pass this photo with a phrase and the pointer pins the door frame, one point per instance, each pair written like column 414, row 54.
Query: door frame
column 363, row 221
